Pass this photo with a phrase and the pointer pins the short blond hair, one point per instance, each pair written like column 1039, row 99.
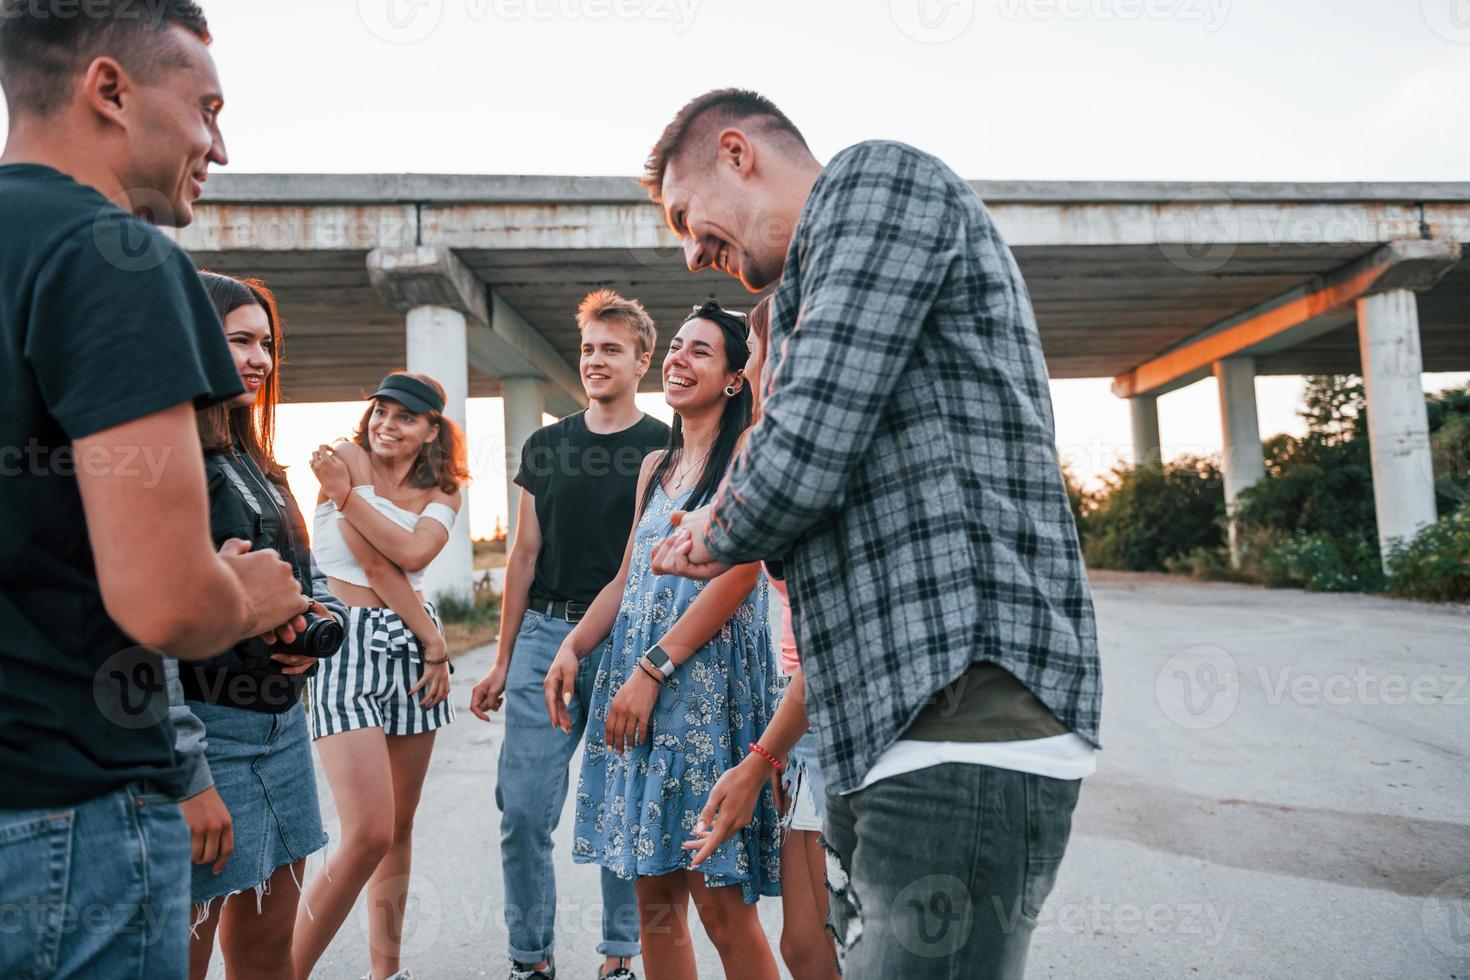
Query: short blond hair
column 606, row 306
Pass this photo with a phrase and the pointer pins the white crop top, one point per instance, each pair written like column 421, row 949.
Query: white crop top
column 330, row 549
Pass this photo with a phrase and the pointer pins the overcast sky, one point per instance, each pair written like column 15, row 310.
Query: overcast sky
column 1211, row 90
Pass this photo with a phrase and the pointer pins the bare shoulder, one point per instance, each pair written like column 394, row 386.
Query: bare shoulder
column 356, row 459
column 454, row 501
column 650, row 462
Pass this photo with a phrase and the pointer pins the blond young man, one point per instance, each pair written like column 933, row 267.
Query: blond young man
column 577, row 477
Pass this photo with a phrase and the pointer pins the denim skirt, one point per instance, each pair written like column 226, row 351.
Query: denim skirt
column 262, row 768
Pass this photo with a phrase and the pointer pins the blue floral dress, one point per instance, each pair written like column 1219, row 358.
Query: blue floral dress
column 635, row 810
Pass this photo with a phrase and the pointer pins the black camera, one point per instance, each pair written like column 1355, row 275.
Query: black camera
column 322, row 637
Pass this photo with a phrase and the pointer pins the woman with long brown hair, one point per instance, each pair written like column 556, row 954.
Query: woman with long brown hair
column 389, row 499
column 251, row 803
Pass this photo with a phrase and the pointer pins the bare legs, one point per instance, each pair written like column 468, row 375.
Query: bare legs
column 408, row 760
column 256, row 944
column 732, row 926
column 806, row 946
column 376, row 784
column 663, row 919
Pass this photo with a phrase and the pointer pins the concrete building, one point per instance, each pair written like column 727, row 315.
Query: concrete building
column 475, row 280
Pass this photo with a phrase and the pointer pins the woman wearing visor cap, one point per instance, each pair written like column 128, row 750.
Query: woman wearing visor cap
column 389, row 498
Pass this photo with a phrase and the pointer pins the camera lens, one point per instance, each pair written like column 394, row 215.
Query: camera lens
column 322, row 638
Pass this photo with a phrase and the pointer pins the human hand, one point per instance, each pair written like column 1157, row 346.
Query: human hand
column 332, row 473
column 489, row 694
column 627, row 716
column 211, row 830
column 271, row 590
column 683, row 553
column 730, row 807
column 561, row 681
column 435, row 680
column 296, row 663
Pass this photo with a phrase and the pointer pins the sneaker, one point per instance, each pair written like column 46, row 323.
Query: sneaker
column 521, row 971
column 620, row 972
column 400, row 975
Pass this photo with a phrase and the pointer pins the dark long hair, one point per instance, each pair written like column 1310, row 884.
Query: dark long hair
column 734, row 420
column 253, row 428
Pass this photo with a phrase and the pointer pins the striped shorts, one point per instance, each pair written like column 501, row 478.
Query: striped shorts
column 366, row 684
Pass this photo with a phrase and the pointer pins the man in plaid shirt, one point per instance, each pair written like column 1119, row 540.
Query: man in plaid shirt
column 905, row 471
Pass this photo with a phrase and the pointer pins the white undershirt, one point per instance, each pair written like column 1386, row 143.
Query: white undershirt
column 1058, row 756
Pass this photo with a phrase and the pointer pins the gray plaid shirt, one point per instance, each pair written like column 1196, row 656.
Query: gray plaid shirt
column 905, row 465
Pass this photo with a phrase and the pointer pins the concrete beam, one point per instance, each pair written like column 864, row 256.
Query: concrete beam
column 509, row 347
column 273, row 226
column 1322, row 304
column 427, row 275
column 359, row 188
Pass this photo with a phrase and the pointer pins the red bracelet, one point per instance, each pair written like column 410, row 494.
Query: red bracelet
column 764, row 753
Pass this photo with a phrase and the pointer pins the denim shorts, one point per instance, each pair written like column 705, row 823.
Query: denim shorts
column 261, row 764
column 804, row 786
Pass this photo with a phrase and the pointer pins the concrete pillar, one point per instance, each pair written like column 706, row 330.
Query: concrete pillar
column 525, row 400
column 1245, row 460
column 1398, row 426
column 437, row 347
column 1144, row 411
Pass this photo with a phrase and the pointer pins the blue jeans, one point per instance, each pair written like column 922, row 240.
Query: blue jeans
column 100, row 889
column 531, row 788
column 947, row 869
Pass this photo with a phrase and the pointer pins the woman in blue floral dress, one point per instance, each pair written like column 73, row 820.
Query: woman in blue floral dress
column 686, row 681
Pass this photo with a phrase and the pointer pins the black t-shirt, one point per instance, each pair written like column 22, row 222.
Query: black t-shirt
column 103, row 320
column 584, row 484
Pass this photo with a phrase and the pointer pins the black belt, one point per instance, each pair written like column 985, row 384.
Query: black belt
column 569, row 610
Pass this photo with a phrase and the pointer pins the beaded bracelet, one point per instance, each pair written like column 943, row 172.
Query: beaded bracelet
column 764, row 753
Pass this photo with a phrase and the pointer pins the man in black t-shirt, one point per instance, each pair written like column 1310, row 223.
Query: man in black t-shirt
column 578, row 478
column 107, row 344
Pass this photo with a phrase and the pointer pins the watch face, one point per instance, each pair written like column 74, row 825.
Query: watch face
column 660, row 660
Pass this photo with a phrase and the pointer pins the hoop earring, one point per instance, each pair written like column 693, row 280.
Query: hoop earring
column 730, row 391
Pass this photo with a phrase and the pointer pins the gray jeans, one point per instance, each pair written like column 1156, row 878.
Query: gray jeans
column 946, row 869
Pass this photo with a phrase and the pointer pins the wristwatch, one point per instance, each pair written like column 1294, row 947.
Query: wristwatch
column 661, row 661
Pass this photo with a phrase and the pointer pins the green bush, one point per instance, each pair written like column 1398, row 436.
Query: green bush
column 1321, row 562
column 1207, row 565
column 1436, row 564
column 1146, row 516
column 482, row 610
column 1310, row 524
